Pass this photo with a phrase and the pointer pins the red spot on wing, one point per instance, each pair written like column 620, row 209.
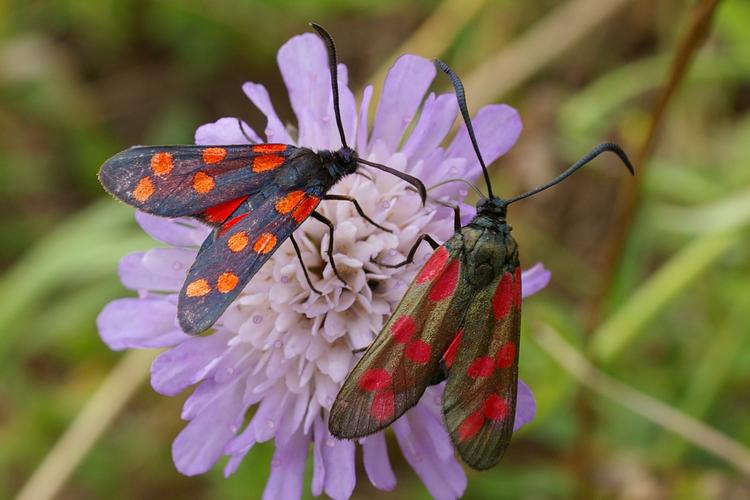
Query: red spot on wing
column 213, row 155
column 481, row 367
column 418, row 351
column 382, row 406
column 305, row 208
column 220, row 213
column 267, row 162
column 269, row 148
column 433, row 266
column 231, row 222
column 450, row 353
column 495, row 407
column 403, row 328
column 375, row 379
column 470, row 426
column 445, row 285
column 503, row 297
column 506, row 355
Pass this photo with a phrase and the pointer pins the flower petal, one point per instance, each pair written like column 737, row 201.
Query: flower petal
column 200, row 444
column 288, row 469
column 159, row 269
column 534, row 279
column 377, row 465
column 275, row 131
column 497, row 128
column 436, row 120
column 403, row 90
column 525, row 406
column 139, row 323
column 224, row 131
column 362, row 122
column 182, row 232
column 185, row 365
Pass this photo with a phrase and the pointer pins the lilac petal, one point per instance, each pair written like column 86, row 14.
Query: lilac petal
column 275, row 131
column 362, row 122
column 319, row 466
column 185, row 365
column 139, row 323
column 341, row 477
column 287, row 469
column 200, row 444
column 223, row 131
column 436, row 120
column 534, row 279
column 176, row 232
column 377, row 465
column 403, row 90
column 525, row 406
column 159, row 269
column 497, row 128
column 444, row 480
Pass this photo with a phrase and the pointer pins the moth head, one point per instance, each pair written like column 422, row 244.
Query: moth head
column 492, row 207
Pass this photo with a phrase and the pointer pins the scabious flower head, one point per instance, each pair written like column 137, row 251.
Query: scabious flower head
column 283, row 351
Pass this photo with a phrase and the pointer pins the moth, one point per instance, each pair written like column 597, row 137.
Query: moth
column 459, row 321
column 254, row 196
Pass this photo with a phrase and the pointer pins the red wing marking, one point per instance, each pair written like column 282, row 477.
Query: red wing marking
column 506, row 355
column 434, row 266
column 305, row 208
column 375, row 379
column 161, row 163
column 198, row 288
column 269, row 148
column 226, row 282
column 265, row 243
column 219, row 213
column 503, row 297
column 470, row 426
column 403, row 328
column 446, row 283
column 144, row 189
column 213, row 155
column 238, row 242
column 266, row 162
column 203, row 183
column 495, row 407
column 287, row 203
column 231, row 222
column 450, row 354
column 418, row 351
column 481, row 367
column 382, row 406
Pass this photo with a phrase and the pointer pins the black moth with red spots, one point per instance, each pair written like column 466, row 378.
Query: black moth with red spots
column 459, row 321
column 254, row 195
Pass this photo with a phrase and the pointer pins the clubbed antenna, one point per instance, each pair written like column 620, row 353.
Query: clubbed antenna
column 601, row 148
column 333, row 67
column 461, row 98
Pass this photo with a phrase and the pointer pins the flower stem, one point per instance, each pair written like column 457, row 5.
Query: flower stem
column 687, row 427
column 93, row 419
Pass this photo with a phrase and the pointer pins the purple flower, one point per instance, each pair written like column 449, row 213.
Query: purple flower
column 283, row 350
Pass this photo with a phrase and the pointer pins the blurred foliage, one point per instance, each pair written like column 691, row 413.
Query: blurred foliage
column 81, row 80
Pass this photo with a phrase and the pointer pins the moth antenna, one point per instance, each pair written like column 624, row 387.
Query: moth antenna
column 333, row 67
column 442, row 183
column 596, row 151
column 461, row 98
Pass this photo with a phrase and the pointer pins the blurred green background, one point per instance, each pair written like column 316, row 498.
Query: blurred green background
column 81, row 80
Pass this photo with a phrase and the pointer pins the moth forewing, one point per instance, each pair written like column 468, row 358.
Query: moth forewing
column 406, row 356
column 480, row 396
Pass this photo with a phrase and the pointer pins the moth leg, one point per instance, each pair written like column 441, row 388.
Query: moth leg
column 304, row 268
column 456, row 213
column 365, row 175
column 410, row 258
column 324, row 220
column 242, row 130
column 341, row 197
